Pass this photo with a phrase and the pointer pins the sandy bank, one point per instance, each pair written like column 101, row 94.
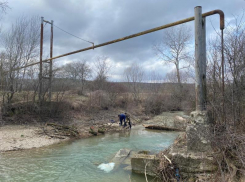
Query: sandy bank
column 18, row 137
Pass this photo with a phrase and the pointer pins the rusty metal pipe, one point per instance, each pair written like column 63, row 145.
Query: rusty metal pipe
column 137, row 34
column 221, row 15
column 47, row 21
column 223, row 75
column 40, row 66
column 51, row 61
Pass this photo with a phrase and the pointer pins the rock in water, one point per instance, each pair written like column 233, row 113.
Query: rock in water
column 107, row 167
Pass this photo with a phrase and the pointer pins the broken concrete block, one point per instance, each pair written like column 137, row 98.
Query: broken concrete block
column 141, row 161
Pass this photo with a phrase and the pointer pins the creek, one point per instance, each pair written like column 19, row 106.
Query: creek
column 78, row 161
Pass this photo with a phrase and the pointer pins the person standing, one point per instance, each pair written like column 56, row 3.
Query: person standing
column 128, row 119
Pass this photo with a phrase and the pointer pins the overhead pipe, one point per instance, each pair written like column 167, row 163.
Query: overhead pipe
column 220, row 12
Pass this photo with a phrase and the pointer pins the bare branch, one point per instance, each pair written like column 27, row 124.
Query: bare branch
column 173, row 48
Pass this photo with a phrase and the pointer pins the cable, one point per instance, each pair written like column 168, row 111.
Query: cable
column 73, row 35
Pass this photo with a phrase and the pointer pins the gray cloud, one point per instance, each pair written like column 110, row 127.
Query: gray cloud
column 101, row 21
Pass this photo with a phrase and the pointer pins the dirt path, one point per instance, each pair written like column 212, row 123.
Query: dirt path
column 18, row 137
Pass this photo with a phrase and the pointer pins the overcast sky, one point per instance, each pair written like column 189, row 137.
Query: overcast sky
column 104, row 20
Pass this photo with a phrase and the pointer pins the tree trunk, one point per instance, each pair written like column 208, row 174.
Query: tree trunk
column 177, row 72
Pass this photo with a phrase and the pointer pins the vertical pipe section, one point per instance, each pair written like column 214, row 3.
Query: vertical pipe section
column 51, row 62
column 41, row 63
column 200, row 60
column 223, row 76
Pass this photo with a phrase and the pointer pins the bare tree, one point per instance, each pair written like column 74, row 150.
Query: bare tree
column 78, row 71
column 3, row 6
column 3, row 9
column 85, row 73
column 134, row 76
column 102, row 68
column 234, row 44
column 229, row 136
column 70, row 71
column 2, row 70
column 31, row 83
column 31, row 43
column 20, row 44
column 173, row 47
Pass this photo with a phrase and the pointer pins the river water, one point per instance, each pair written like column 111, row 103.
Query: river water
column 78, row 161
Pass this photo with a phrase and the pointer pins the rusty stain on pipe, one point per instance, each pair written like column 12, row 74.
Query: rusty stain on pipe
column 220, row 12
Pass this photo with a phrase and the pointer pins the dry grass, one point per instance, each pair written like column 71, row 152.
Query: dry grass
column 229, row 144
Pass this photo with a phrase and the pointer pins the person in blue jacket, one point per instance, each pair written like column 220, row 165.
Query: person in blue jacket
column 122, row 118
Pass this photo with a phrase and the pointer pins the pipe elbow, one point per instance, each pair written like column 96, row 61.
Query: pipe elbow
column 222, row 18
column 221, row 14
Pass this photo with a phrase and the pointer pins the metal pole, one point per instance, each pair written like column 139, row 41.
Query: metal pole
column 200, row 60
column 41, row 65
column 51, row 62
column 204, row 63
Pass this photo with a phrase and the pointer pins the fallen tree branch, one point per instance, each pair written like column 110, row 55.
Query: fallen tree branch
column 167, row 159
column 145, row 172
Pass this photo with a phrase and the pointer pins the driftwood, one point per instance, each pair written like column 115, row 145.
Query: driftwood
column 55, row 136
column 159, row 127
column 167, row 171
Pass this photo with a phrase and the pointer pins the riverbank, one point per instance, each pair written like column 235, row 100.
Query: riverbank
column 18, row 137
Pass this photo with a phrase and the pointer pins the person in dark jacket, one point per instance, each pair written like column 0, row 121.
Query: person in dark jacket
column 128, row 119
column 122, row 118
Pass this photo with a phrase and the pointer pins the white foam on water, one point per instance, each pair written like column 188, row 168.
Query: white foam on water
column 107, row 167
